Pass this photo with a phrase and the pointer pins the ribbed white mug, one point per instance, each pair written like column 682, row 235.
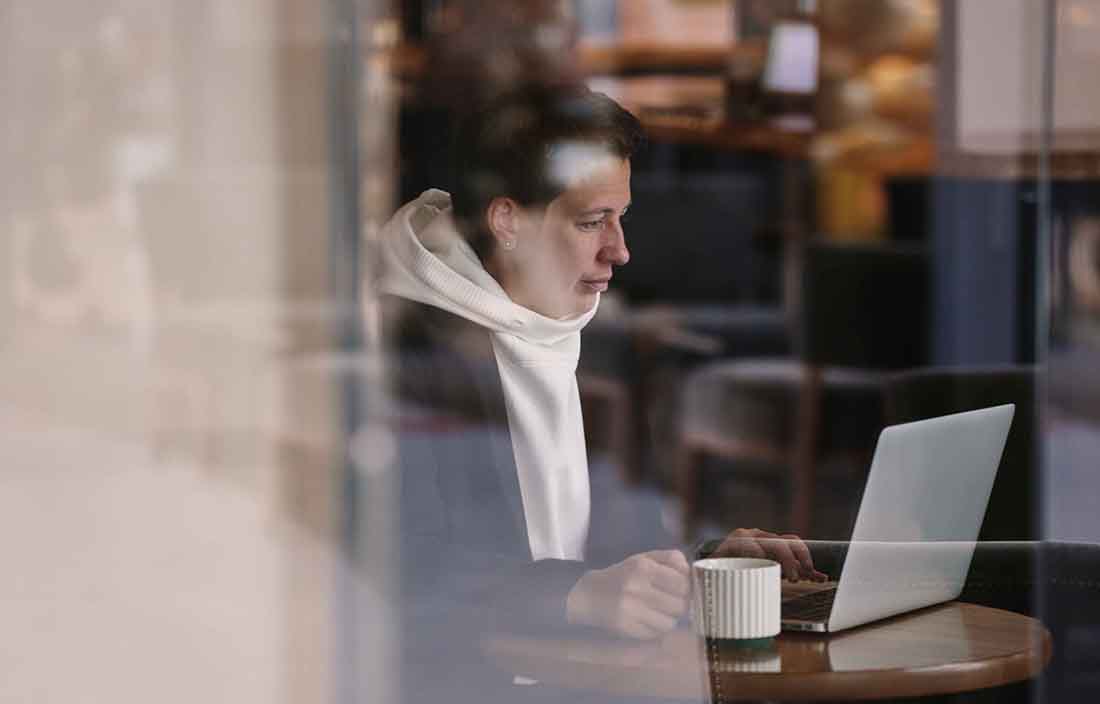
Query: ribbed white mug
column 736, row 597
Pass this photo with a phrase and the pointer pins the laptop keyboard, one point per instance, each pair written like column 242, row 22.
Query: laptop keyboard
column 811, row 607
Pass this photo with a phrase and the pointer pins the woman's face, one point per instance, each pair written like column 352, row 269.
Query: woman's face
column 564, row 254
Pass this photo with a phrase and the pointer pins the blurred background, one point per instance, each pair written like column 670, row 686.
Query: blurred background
column 850, row 213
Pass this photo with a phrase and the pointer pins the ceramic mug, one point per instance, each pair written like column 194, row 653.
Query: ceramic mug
column 736, row 598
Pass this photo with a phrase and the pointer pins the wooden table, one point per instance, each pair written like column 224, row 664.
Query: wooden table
column 954, row 647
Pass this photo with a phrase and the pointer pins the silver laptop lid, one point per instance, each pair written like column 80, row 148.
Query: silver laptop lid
column 921, row 511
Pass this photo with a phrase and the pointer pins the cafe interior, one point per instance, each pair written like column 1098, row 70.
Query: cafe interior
column 846, row 215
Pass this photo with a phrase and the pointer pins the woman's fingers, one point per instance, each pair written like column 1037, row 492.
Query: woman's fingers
column 654, row 619
column 669, row 580
column 647, row 614
column 669, row 604
column 673, row 559
column 788, row 550
column 740, row 543
column 805, row 559
column 781, row 552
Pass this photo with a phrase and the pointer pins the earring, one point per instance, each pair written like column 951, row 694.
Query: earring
column 509, row 244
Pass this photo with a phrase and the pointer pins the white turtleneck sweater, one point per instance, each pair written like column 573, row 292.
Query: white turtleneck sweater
column 428, row 261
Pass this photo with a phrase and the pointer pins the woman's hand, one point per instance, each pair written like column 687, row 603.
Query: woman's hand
column 788, row 550
column 641, row 597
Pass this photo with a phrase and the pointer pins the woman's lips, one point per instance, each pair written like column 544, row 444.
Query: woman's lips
column 595, row 285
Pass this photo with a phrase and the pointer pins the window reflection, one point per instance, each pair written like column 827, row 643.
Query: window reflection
column 211, row 478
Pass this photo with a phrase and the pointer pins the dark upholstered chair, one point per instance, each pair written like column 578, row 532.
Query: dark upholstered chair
column 862, row 313
column 1058, row 583
column 1013, row 512
column 632, row 367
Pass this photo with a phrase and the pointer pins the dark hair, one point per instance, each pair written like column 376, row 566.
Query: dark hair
column 504, row 149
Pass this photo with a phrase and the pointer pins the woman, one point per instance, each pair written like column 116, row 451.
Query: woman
column 485, row 297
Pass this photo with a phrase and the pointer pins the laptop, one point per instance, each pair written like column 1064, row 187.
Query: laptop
column 914, row 537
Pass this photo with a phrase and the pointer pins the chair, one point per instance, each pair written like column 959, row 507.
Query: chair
column 1058, row 583
column 632, row 367
column 675, row 341
column 862, row 312
column 1013, row 512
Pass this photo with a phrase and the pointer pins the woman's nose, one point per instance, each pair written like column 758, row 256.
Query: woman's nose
column 614, row 251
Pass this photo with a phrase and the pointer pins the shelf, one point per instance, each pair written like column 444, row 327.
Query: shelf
column 410, row 60
column 655, row 58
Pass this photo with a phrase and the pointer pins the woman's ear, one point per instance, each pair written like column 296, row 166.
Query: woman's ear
column 503, row 217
